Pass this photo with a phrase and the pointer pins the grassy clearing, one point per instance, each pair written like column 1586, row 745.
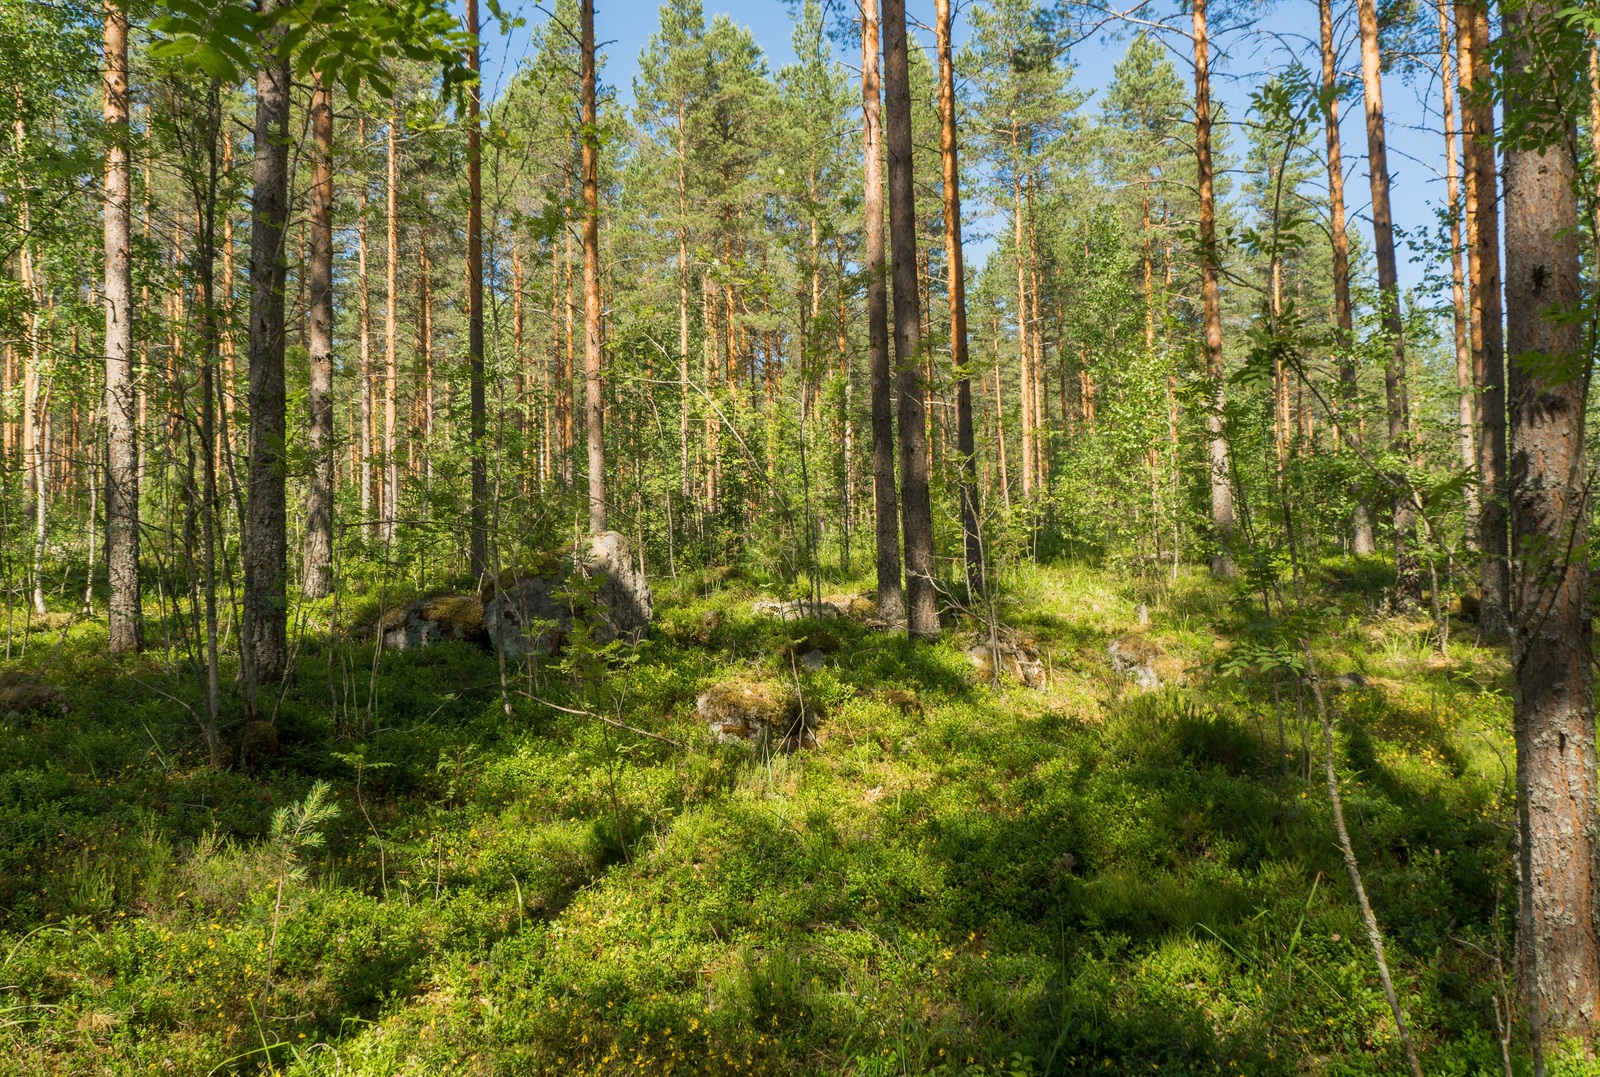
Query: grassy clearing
column 956, row 879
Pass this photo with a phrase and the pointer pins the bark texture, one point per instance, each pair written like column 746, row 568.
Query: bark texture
column 1408, row 573
column 1488, row 335
column 264, row 539
column 317, row 560
column 916, row 508
column 478, row 540
column 1349, row 392
column 885, row 500
column 1551, row 644
column 594, row 400
column 1222, row 517
column 966, row 445
column 122, row 418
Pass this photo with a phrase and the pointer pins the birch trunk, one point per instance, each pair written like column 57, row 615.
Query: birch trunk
column 124, row 623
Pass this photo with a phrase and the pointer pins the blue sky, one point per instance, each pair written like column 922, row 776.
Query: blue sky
column 623, row 28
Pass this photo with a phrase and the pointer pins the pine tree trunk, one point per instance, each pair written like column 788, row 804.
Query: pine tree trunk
column 916, row 507
column 265, row 534
column 124, row 623
column 1488, row 340
column 477, row 428
column 966, row 443
column 364, row 317
column 1458, row 294
column 1361, row 542
column 317, row 561
column 594, row 401
column 1408, row 573
column 1222, row 519
column 1551, row 641
column 391, row 324
column 886, row 503
column 1024, row 371
column 685, row 476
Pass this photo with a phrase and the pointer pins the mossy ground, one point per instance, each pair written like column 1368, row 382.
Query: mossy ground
column 955, row 879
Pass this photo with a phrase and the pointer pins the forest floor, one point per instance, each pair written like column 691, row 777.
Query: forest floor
column 955, row 878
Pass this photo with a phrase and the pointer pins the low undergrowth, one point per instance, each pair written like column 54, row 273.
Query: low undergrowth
column 955, row 879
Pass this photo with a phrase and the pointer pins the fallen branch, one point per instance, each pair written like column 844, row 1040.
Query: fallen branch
column 608, row 721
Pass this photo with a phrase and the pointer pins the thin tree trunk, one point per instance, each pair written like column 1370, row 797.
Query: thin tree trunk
column 1408, row 572
column 966, row 444
column 265, row 535
column 1488, row 352
column 1024, row 373
column 886, row 503
column 1361, row 542
column 317, row 563
column 1458, row 294
column 916, row 507
column 124, row 623
column 685, row 477
column 478, row 543
column 1551, row 643
column 1222, row 518
column 364, row 316
column 391, row 323
column 594, row 401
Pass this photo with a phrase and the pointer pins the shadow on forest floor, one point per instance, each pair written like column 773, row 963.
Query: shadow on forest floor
column 954, row 879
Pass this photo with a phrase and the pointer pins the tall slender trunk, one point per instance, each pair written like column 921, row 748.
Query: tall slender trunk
column 205, row 261
column 966, row 444
column 1408, row 573
column 1000, row 422
column 1551, row 638
column 594, row 401
column 685, row 477
column 1458, row 293
column 391, row 324
column 565, row 396
column 1488, row 351
column 477, row 426
column 124, row 624
column 519, row 360
column 317, row 561
column 364, row 318
column 265, row 534
column 847, row 449
column 916, row 506
column 1024, row 373
column 425, row 333
column 886, row 503
column 1361, row 542
column 35, row 402
column 1222, row 518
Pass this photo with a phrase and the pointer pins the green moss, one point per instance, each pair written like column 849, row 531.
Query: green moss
column 955, row 879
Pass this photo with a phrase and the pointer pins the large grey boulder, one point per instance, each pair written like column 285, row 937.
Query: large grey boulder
column 532, row 614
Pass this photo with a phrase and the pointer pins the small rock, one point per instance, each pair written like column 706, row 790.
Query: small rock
column 19, row 695
column 812, row 661
column 258, row 744
column 1345, row 681
column 1134, row 657
column 799, row 609
column 1017, row 660
column 755, row 712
